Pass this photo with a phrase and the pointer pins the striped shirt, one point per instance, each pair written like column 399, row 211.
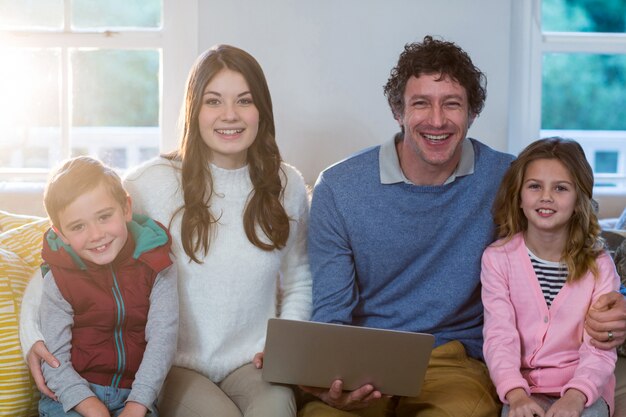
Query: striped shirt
column 551, row 276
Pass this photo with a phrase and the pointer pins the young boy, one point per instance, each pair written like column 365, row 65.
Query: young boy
column 109, row 311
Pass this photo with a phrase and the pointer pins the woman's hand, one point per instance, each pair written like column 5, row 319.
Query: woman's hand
column 257, row 361
column 39, row 352
column 606, row 321
column 337, row 398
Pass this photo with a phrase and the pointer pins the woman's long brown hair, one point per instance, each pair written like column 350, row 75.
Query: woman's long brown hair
column 264, row 211
column 583, row 244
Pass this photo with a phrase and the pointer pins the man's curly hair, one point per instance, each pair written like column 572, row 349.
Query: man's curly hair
column 433, row 56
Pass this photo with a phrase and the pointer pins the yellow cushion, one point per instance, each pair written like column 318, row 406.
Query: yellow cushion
column 10, row 221
column 20, row 255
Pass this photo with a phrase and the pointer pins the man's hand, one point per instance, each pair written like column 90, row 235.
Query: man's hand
column 571, row 404
column 606, row 321
column 335, row 397
column 257, row 361
column 133, row 409
column 39, row 352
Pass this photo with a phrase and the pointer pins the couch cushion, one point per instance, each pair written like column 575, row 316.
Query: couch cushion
column 621, row 221
column 20, row 248
column 620, row 388
column 10, row 221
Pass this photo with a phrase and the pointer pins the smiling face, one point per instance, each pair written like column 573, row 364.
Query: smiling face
column 548, row 197
column 228, row 119
column 435, row 121
column 94, row 225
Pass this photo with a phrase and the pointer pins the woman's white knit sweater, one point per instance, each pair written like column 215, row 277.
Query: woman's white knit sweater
column 225, row 301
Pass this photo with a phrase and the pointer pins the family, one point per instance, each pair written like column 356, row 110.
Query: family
column 157, row 287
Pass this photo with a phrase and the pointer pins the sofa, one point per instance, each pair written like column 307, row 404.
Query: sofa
column 616, row 241
column 20, row 240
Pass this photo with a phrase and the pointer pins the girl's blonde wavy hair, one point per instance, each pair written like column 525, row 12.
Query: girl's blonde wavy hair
column 584, row 243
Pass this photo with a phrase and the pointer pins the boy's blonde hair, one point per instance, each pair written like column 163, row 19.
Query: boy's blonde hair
column 75, row 177
column 583, row 244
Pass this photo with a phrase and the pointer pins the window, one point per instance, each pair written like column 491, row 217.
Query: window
column 575, row 54
column 82, row 77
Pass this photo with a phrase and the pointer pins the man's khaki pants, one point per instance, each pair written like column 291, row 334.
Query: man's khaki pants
column 455, row 386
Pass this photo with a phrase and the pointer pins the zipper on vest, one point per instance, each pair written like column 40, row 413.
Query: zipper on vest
column 118, row 334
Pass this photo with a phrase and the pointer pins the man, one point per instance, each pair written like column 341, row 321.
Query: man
column 397, row 233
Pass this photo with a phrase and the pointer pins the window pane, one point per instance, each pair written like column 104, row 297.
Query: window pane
column 584, row 16
column 115, row 111
column 29, row 107
column 115, row 157
column 116, row 13
column 45, row 14
column 36, row 157
column 146, row 153
column 583, row 91
column 120, row 147
column 606, row 162
column 79, row 151
column 115, row 87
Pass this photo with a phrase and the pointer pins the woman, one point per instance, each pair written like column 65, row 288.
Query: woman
column 238, row 216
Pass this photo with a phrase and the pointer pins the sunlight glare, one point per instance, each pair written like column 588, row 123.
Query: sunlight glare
column 18, row 84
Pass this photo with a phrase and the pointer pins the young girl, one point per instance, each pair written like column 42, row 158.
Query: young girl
column 539, row 280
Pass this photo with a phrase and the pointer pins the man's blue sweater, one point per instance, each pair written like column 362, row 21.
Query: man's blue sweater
column 401, row 256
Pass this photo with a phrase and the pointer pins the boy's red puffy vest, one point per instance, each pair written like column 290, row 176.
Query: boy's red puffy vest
column 110, row 305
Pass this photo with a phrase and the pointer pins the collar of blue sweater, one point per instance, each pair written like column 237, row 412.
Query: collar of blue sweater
column 391, row 173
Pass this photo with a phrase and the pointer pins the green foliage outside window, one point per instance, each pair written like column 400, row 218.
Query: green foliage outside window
column 116, row 88
column 116, row 13
column 584, row 15
column 584, row 91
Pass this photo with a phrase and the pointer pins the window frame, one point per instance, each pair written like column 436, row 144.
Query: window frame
column 179, row 27
column 528, row 45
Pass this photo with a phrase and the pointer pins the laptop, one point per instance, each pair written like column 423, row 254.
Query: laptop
column 315, row 354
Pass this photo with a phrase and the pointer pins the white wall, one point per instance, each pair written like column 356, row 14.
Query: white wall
column 327, row 60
